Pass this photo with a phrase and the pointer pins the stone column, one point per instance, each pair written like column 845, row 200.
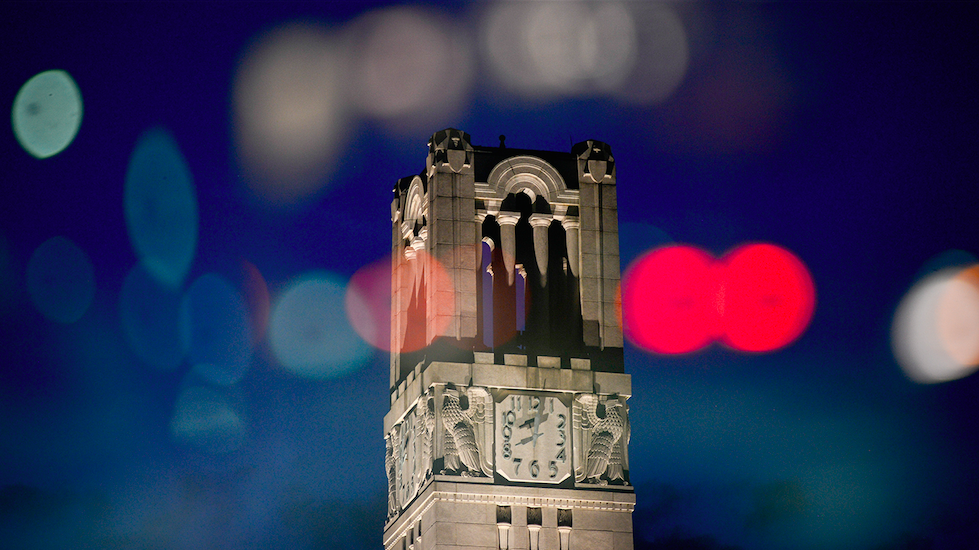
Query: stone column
column 540, row 223
column 571, row 226
column 508, row 237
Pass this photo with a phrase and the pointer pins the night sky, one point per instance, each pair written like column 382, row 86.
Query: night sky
column 262, row 141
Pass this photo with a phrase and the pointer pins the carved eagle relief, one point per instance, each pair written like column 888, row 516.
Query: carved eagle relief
column 601, row 432
column 467, row 437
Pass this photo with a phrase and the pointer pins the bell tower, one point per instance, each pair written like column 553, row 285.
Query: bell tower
column 509, row 424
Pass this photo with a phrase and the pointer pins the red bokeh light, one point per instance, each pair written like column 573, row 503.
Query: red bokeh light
column 769, row 298
column 368, row 302
column 669, row 300
column 678, row 299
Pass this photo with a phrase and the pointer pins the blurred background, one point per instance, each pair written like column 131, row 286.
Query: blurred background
column 194, row 196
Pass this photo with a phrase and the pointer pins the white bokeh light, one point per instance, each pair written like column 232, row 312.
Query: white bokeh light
column 936, row 327
column 407, row 66
column 551, row 49
column 289, row 112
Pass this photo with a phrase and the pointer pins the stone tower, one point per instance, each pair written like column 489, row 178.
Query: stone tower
column 509, row 423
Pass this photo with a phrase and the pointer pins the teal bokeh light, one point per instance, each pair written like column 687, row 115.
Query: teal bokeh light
column 309, row 333
column 149, row 313
column 214, row 330
column 60, row 280
column 47, row 113
column 207, row 419
column 161, row 207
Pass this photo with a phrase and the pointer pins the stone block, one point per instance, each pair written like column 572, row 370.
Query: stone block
column 610, row 382
column 590, row 310
column 544, row 361
column 549, row 540
column 468, row 280
column 448, row 324
column 445, row 533
column 468, row 327
column 609, row 199
column 582, row 380
column 519, row 516
column 486, row 357
column 580, row 364
column 412, row 392
column 442, row 184
column 589, row 329
column 590, row 289
column 466, row 230
column 514, row 359
column 610, row 314
column 566, row 376
column 466, row 512
column 440, row 372
column 428, row 521
column 467, row 301
column 590, row 265
column 613, row 337
column 442, row 232
column 610, row 287
column 610, row 243
column 478, row 536
column 588, row 194
column 466, row 259
column 599, row 520
column 505, row 376
column 611, row 265
column 444, row 302
column 533, row 377
column 588, row 216
column 464, row 187
column 443, row 208
column 610, row 218
column 590, row 241
column 581, row 538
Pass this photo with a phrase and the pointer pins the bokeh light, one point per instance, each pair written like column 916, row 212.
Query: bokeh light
column 257, row 298
column 309, row 333
column 935, row 332
column 289, row 110
column 150, row 316
column 60, row 280
column 678, row 299
column 161, row 207
column 208, row 419
column 958, row 317
column 662, row 54
column 215, row 330
column 636, row 238
column 560, row 48
column 670, row 300
column 407, row 67
column 8, row 285
column 47, row 113
column 368, row 303
column 768, row 298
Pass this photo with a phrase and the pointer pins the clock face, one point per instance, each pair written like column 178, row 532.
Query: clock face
column 533, row 438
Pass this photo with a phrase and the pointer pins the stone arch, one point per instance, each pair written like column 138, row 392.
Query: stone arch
column 415, row 202
column 526, row 174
